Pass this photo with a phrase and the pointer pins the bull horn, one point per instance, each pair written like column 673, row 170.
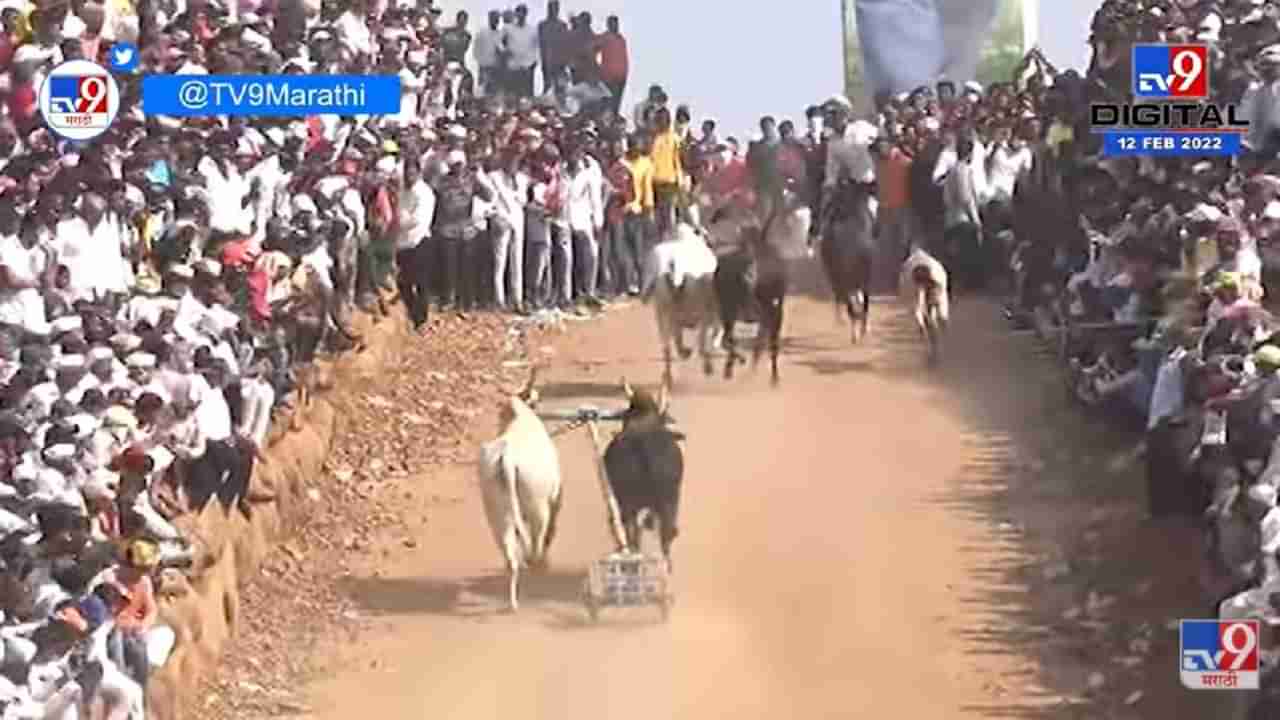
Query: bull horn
column 664, row 396
column 626, row 389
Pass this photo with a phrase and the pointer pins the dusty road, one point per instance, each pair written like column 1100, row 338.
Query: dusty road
column 849, row 548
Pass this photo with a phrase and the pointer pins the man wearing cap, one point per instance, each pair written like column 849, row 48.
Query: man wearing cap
column 73, row 378
column 850, row 171
column 455, row 227
column 229, row 195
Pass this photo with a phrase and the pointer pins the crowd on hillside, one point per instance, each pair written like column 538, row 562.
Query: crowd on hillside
column 162, row 284
column 1153, row 268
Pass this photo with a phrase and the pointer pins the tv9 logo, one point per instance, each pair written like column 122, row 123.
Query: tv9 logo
column 1220, row 654
column 79, row 100
column 1177, row 72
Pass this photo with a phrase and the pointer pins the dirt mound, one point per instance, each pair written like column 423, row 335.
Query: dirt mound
column 401, row 403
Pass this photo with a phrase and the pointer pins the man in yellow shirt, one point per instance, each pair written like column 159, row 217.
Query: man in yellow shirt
column 637, row 221
column 667, row 170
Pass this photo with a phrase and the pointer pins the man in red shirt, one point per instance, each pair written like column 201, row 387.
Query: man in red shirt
column 617, row 268
column 614, row 62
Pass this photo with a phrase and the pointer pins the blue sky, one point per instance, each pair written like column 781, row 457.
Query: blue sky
column 1064, row 31
column 727, row 59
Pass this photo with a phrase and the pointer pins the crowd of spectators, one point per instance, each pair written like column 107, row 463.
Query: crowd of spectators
column 1148, row 271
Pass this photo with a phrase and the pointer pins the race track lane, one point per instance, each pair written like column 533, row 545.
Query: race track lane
column 826, row 567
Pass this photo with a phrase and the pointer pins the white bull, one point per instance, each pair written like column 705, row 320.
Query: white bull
column 520, row 485
column 925, row 277
column 679, row 277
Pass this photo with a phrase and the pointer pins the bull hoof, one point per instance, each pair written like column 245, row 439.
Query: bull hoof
column 708, row 369
column 775, row 381
column 728, row 372
column 685, row 353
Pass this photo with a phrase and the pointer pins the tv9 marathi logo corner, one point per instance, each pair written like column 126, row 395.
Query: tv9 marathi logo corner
column 1220, row 654
column 1173, row 72
column 79, row 100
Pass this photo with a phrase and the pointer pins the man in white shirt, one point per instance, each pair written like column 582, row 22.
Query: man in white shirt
column 1008, row 160
column 520, row 40
column 511, row 188
column 485, row 49
column 225, row 468
column 585, row 209
column 413, row 250
column 229, row 197
column 21, row 304
column 352, row 28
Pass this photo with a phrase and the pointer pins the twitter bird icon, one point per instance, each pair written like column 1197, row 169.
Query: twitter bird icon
column 124, row 57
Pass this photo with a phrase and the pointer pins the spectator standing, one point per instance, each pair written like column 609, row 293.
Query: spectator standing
column 520, row 40
column 456, row 227
column 1261, row 104
column 762, row 160
column 667, row 170
column 614, row 62
column 584, row 62
column 553, row 42
column 455, row 41
column 585, row 209
column 417, row 214
column 511, row 188
column 962, row 222
column 620, row 192
column 138, row 612
column 487, row 43
column 638, row 214
column 893, row 192
column 643, row 116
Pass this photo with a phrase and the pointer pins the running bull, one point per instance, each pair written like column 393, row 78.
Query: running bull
column 521, row 488
column 679, row 271
column 645, row 467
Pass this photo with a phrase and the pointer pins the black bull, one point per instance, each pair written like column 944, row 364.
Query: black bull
column 645, row 468
column 751, row 284
column 848, row 253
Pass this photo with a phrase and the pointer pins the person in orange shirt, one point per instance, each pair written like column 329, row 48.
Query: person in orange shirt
column 893, row 168
column 136, row 612
column 614, row 62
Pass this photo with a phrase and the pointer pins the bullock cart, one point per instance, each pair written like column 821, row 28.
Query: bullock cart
column 628, row 577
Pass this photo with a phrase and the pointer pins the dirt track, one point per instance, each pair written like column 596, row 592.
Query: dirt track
column 866, row 541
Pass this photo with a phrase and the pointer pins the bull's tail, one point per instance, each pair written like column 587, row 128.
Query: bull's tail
column 511, row 476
